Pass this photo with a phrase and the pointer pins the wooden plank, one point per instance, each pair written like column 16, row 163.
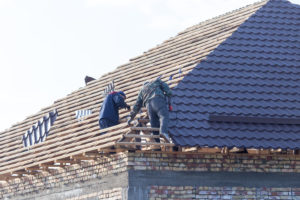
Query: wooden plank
column 20, row 172
column 32, row 168
column 64, row 161
column 110, row 150
column 82, row 157
column 92, row 154
column 146, row 143
column 209, row 150
column 141, row 136
column 144, row 129
column 189, row 149
column 48, row 164
column 4, row 177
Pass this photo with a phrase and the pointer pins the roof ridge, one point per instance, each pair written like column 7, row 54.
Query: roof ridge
column 262, row 2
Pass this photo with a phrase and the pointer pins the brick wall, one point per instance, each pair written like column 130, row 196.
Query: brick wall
column 214, row 162
column 70, row 175
column 76, row 176
column 113, row 194
column 216, row 193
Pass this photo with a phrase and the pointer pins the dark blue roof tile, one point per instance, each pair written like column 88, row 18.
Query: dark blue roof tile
column 254, row 73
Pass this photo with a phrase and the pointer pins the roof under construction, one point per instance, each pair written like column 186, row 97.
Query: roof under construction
column 242, row 64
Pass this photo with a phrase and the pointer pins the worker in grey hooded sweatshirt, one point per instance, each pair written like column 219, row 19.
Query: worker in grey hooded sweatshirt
column 156, row 97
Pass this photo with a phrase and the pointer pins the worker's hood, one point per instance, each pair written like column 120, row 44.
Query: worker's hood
column 122, row 93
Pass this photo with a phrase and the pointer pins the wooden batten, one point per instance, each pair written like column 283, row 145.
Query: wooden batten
column 253, row 151
column 141, row 136
column 146, row 144
column 5, row 177
column 65, row 161
column 47, row 165
column 189, row 149
column 20, row 172
column 32, row 168
column 144, row 129
column 94, row 154
column 82, row 157
column 209, row 150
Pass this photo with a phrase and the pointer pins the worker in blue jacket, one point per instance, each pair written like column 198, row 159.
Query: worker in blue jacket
column 109, row 112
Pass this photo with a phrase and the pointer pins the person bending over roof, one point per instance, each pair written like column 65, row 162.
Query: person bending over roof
column 109, row 112
column 155, row 95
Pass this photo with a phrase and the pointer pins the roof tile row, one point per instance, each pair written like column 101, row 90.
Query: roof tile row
column 255, row 73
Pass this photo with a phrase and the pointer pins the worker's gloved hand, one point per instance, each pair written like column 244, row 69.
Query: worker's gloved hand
column 170, row 107
column 129, row 121
column 128, row 107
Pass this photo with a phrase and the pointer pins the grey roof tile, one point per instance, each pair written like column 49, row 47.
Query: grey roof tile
column 255, row 73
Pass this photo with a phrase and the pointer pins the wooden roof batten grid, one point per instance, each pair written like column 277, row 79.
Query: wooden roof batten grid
column 102, row 85
column 109, row 75
column 69, row 138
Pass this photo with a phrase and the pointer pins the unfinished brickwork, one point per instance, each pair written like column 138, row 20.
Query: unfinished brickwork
column 214, row 162
column 191, row 192
column 69, row 180
column 165, row 175
column 113, row 194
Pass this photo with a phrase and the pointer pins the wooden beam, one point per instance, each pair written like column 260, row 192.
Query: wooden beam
column 141, row 136
column 189, row 149
column 33, row 168
column 81, row 157
column 46, row 165
column 209, row 150
column 146, row 143
column 117, row 150
column 253, row 151
column 145, row 129
column 63, row 161
column 19, row 172
column 92, row 154
column 5, row 177
column 34, row 172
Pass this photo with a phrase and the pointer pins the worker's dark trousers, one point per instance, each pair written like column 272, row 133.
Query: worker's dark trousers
column 158, row 114
column 105, row 123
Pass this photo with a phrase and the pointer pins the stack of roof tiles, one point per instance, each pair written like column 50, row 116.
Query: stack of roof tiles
column 255, row 74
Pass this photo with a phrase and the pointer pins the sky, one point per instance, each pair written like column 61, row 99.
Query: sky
column 47, row 47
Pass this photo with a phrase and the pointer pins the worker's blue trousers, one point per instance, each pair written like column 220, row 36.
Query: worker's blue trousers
column 105, row 123
column 159, row 115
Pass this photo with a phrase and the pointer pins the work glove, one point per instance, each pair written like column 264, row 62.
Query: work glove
column 129, row 121
column 170, row 107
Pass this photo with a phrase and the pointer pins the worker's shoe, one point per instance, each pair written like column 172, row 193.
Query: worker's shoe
column 167, row 137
